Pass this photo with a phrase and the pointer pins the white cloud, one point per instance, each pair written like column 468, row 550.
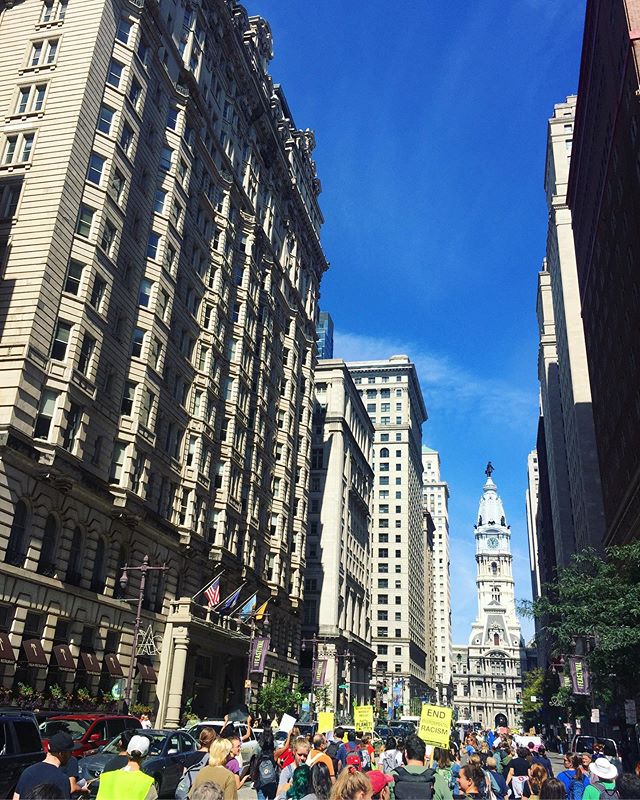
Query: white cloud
column 448, row 388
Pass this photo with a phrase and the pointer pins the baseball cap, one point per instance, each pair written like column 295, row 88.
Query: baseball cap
column 378, row 780
column 138, row 744
column 61, row 742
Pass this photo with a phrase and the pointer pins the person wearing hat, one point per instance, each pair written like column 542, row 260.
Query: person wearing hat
column 602, row 776
column 380, row 784
column 48, row 771
column 130, row 781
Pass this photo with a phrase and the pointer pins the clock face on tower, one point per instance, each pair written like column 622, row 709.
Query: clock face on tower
column 493, row 542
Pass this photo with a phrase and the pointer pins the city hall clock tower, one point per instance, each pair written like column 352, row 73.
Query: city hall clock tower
column 496, row 655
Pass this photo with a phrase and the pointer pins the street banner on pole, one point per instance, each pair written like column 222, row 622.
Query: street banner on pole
column 326, row 721
column 435, row 725
column 258, row 654
column 363, row 718
column 580, row 677
column 319, row 672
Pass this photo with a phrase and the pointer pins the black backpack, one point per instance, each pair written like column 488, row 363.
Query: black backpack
column 332, row 752
column 414, row 786
column 267, row 772
column 605, row 793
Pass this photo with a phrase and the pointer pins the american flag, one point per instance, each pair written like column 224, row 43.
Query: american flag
column 212, row 593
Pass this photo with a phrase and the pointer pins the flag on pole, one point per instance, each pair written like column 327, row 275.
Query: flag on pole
column 229, row 602
column 212, row 592
column 260, row 613
column 247, row 608
column 213, row 584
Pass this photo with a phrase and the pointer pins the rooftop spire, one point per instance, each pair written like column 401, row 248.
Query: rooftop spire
column 491, row 510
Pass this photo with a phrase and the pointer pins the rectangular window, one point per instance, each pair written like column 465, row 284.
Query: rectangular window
column 163, row 304
column 114, row 76
column 74, row 276
column 18, row 148
column 126, row 138
column 124, row 31
column 118, row 183
column 97, row 292
column 86, row 351
column 159, row 201
column 143, row 51
column 74, row 418
column 96, row 168
column 152, row 245
column 138, row 341
column 128, row 398
column 117, row 462
column 105, row 119
column 146, row 407
column 60, row 340
column 166, row 158
column 144, row 295
column 9, row 198
column 108, row 238
column 45, row 414
column 135, row 92
column 172, row 118
column 85, row 220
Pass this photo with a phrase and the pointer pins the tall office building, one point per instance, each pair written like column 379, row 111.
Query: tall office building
column 393, row 399
column 436, row 500
column 604, row 198
column 160, row 255
column 585, row 491
column 325, row 335
column 337, row 604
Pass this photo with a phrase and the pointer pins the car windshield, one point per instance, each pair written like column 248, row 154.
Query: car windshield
column 156, row 740
column 75, row 727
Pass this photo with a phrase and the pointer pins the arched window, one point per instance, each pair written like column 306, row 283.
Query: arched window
column 74, row 567
column 122, row 560
column 494, row 568
column 47, row 560
column 384, row 452
column 97, row 576
column 16, row 548
column 496, row 639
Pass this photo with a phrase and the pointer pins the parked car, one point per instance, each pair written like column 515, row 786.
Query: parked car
column 170, row 752
column 248, row 750
column 20, row 747
column 584, row 744
column 88, row 731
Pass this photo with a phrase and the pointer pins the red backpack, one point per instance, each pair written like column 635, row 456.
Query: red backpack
column 354, row 759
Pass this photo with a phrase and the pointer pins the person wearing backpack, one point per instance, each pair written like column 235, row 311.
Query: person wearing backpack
column 573, row 777
column 442, row 788
column 265, row 770
column 349, row 754
column 602, row 777
column 206, row 738
column 334, row 746
column 390, row 758
column 415, row 781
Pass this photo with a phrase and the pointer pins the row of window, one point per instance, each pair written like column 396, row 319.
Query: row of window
column 371, row 379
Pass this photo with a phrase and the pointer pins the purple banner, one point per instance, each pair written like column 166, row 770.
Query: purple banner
column 580, row 676
column 319, row 672
column 258, row 654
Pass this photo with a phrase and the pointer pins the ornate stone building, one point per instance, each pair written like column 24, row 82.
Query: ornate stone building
column 160, row 267
column 487, row 674
column 339, row 547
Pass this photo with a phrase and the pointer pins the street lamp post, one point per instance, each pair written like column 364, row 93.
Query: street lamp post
column 124, row 582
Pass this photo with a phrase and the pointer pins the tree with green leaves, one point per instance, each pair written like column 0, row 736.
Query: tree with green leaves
column 277, row 698
column 597, row 596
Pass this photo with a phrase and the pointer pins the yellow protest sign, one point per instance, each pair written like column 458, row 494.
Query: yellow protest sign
column 435, row 725
column 363, row 718
column 325, row 721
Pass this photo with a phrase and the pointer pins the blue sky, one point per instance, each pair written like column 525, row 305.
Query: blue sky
column 430, row 120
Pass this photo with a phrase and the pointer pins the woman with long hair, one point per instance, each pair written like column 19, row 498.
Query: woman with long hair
column 216, row 772
column 265, row 769
column 301, row 786
column 552, row 789
column 321, row 780
column 537, row 776
column 352, row 785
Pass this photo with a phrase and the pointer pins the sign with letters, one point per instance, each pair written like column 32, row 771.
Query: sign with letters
column 580, row 676
column 363, row 718
column 258, row 654
column 319, row 672
column 435, row 725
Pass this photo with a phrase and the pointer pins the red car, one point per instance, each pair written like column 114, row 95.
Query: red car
column 89, row 731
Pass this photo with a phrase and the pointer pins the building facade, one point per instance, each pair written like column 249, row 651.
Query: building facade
column 160, row 257
column 487, row 674
column 325, row 335
column 337, row 607
column 391, row 393
column 583, row 471
column 436, row 500
column 604, row 198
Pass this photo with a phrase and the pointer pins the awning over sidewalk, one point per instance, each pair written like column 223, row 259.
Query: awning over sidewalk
column 35, row 653
column 90, row 663
column 7, row 656
column 64, row 658
column 113, row 665
column 147, row 672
